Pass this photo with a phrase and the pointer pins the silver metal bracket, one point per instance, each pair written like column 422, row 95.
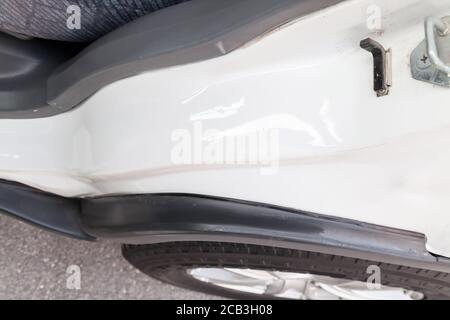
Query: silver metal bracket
column 430, row 61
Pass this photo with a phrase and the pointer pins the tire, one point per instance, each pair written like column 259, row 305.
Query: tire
column 170, row 263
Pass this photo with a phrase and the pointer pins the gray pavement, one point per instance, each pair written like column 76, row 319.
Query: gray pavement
column 33, row 265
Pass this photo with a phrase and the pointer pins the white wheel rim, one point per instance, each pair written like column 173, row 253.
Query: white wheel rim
column 300, row 286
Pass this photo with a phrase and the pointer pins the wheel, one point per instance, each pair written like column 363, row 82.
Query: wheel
column 257, row 272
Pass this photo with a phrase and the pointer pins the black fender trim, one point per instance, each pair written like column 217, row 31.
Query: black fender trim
column 51, row 212
column 158, row 218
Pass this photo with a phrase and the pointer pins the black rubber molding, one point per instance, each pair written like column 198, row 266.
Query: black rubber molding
column 160, row 218
column 45, row 210
column 157, row 218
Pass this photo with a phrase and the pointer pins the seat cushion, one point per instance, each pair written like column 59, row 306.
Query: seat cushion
column 49, row 19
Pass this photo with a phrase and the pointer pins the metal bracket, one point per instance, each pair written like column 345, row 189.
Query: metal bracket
column 382, row 66
column 430, row 61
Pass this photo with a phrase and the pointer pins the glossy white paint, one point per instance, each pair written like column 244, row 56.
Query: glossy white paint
column 343, row 151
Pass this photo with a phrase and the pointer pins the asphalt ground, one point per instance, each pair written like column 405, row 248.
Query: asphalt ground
column 34, row 265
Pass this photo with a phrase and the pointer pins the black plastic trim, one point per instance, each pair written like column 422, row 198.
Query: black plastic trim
column 158, row 218
column 145, row 219
column 51, row 212
column 25, row 66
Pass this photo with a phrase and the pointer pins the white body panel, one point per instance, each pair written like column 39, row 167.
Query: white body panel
column 342, row 151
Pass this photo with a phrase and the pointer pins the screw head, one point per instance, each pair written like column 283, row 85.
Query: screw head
column 424, row 62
